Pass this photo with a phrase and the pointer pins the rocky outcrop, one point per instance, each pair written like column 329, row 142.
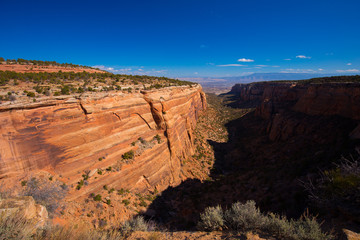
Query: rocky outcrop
column 26, row 208
column 84, row 134
column 276, row 100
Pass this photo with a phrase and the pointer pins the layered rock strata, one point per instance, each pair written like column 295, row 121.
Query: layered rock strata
column 276, row 99
column 76, row 135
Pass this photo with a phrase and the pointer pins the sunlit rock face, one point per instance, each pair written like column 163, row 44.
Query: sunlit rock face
column 72, row 135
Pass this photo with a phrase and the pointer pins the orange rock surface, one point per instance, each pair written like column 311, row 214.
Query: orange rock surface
column 75, row 135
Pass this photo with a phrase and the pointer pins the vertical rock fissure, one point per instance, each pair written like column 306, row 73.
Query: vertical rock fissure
column 168, row 140
column 83, row 108
column 147, row 181
column 159, row 118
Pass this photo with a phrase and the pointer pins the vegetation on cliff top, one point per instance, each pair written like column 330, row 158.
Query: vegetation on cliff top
column 321, row 80
column 42, row 63
column 14, row 84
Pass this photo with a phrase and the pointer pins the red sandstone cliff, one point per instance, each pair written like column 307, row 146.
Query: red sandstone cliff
column 275, row 100
column 66, row 136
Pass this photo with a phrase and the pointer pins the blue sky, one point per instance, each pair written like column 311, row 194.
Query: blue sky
column 187, row 38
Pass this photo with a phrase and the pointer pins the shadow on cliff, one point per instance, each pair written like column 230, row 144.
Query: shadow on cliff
column 251, row 167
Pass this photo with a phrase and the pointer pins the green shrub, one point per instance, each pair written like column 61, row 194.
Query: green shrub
column 143, row 203
column 30, row 94
column 65, row 90
column 121, row 191
column 80, row 184
column 125, row 202
column 128, row 155
column 157, row 138
column 97, row 198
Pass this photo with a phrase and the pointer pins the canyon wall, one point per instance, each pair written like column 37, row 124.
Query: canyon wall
column 70, row 136
column 276, row 100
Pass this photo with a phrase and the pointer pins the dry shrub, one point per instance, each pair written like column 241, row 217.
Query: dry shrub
column 76, row 232
column 45, row 192
column 14, row 226
column 247, row 217
column 212, row 219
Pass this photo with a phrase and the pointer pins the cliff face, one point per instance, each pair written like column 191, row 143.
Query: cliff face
column 72, row 136
column 277, row 100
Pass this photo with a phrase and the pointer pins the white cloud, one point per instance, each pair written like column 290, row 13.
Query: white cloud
column 231, row 65
column 245, row 60
column 320, row 69
column 348, row 70
column 102, row 67
column 133, row 70
column 303, row 57
column 298, row 70
column 287, row 59
column 349, row 64
column 196, row 73
column 262, row 65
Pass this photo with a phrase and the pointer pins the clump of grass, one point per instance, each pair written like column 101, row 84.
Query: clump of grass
column 338, row 188
column 15, row 227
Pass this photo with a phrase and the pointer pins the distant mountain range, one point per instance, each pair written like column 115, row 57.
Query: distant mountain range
column 222, row 84
column 257, row 77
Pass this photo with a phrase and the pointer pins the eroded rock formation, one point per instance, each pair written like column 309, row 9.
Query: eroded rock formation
column 76, row 135
column 276, row 100
column 24, row 207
